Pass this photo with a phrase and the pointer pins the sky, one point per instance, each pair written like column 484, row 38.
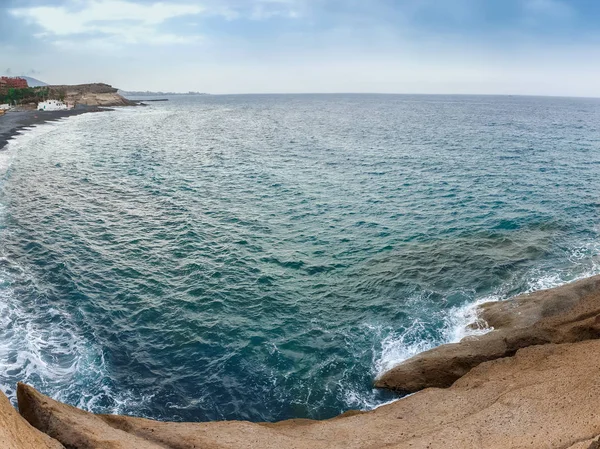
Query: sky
column 528, row 47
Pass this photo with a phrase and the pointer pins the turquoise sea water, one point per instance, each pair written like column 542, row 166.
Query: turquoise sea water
column 265, row 257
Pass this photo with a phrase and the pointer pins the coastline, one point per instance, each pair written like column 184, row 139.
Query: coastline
column 540, row 393
column 476, row 384
column 14, row 121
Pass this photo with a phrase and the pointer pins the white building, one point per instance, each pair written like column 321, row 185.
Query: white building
column 52, row 105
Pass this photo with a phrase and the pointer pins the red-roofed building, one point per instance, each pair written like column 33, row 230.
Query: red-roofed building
column 12, row 83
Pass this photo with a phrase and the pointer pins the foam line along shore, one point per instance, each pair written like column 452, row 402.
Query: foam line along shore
column 83, row 98
column 13, row 122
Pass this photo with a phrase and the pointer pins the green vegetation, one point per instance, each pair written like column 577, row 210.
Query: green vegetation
column 23, row 96
column 62, row 93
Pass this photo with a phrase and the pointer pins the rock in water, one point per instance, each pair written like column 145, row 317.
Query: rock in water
column 565, row 314
column 16, row 433
column 543, row 397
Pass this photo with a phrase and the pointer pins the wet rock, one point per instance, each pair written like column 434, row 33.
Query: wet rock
column 565, row 314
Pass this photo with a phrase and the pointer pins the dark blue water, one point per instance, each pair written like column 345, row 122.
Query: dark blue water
column 265, row 257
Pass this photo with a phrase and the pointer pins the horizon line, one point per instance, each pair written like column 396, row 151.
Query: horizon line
column 198, row 93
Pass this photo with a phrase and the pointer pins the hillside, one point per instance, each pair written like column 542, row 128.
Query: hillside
column 33, row 82
column 95, row 94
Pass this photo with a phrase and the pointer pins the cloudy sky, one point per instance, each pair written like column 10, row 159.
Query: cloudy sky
column 539, row 47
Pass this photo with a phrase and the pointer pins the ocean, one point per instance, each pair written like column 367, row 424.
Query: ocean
column 264, row 257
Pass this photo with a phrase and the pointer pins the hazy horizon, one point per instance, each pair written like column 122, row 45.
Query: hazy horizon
column 473, row 47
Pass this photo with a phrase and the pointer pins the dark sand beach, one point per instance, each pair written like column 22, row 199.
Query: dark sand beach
column 13, row 121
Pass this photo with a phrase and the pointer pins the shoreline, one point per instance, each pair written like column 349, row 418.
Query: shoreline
column 530, row 382
column 531, row 373
column 14, row 121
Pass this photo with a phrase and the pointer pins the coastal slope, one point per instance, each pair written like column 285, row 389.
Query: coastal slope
column 95, row 94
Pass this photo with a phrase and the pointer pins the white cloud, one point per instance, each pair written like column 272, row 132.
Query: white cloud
column 112, row 23
column 124, row 21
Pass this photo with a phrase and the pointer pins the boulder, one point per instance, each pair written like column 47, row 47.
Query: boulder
column 543, row 397
column 566, row 314
column 16, row 433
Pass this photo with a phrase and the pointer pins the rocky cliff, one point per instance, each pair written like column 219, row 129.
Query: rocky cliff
column 16, row 433
column 96, row 94
column 534, row 381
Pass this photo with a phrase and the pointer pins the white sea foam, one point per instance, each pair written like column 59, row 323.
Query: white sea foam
column 459, row 322
column 355, row 399
column 463, row 321
column 40, row 350
column 392, row 347
column 23, row 138
column 40, row 346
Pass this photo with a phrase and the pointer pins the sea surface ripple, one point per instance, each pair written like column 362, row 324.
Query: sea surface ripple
column 265, row 257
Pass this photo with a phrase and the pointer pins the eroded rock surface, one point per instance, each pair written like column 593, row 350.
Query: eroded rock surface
column 16, row 433
column 543, row 397
column 566, row 314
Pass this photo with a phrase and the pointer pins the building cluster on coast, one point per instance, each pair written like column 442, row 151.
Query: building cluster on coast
column 16, row 91
column 7, row 83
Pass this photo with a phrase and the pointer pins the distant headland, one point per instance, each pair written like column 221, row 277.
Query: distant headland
column 25, row 91
column 26, row 102
column 147, row 93
column 17, row 91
